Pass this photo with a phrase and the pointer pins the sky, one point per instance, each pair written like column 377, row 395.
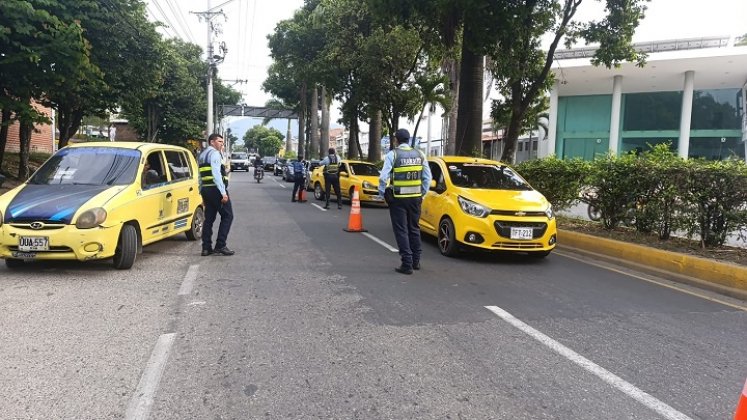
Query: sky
column 248, row 22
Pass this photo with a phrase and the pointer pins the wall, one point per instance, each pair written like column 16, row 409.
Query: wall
column 41, row 138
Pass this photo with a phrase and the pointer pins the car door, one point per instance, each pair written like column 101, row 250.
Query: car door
column 177, row 205
column 434, row 203
column 152, row 204
column 345, row 179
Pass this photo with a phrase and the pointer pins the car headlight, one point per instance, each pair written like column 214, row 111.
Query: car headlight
column 368, row 185
column 549, row 212
column 91, row 218
column 472, row 208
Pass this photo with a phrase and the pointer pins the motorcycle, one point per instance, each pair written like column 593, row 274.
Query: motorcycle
column 259, row 173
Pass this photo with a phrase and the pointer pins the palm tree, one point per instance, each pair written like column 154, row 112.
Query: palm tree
column 434, row 92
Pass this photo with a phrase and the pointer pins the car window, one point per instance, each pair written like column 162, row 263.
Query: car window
column 343, row 168
column 363, row 169
column 485, row 176
column 89, row 166
column 437, row 175
column 178, row 165
column 239, row 156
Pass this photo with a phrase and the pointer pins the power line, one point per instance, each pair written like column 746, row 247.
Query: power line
column 166, row 28
column 177, row 12
column 167, row 20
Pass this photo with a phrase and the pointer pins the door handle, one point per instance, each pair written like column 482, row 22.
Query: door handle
column 168, row 195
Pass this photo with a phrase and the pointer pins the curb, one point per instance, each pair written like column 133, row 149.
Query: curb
column 724, row 277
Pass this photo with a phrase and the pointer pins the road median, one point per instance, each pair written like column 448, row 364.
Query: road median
column 723, row 277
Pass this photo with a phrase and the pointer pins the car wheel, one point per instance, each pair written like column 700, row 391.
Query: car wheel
column 350, row 194
column 124, row 256
column 318, row 192
column 12, row 263
column 446, row 242
column 198, row 219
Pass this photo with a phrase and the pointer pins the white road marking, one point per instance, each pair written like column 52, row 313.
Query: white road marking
column 189, row 280
column 654, row 281
column 276, row 181
column 318, row 206
column 142, row 401
column 603, row 374
column 380, row 242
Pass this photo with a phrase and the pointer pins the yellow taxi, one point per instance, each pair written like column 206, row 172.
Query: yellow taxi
column 352, row 173
column 93, row 201
column 484, row 204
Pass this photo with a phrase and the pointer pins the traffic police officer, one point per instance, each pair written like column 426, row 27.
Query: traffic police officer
column 407, row 172
column 214, row 191
column 331, row 177
column 299, row 175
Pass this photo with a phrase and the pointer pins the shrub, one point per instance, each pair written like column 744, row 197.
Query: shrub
column 558, row 180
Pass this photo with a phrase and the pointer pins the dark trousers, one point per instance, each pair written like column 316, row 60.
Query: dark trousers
column 298, row 186
column 332, row 181
column 211, row 197
column 405, row 213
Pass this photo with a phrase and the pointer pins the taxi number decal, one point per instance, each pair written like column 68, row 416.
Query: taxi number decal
column 183, row 205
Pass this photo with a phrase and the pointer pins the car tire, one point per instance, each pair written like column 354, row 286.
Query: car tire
column 126, row 252
column 198, row 219
column 447, row 244
column 13, row 263
column 318, row 192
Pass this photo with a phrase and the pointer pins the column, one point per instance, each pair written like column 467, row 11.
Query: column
column 614, row 144
column 552, row 129
column 683, row 145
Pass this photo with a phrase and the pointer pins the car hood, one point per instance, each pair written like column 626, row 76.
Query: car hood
column 507, row 199
column 370, row 178
column 54, row 203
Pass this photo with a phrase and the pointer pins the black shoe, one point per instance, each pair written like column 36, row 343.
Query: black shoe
column 326, row 207
column 416, row 265
column 206, row 252
column 293, row 200
column 224, row 251
column 403, row 270
column 339, row 207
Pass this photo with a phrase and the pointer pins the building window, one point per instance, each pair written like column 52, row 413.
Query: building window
column 642, row 144
column 652, row 111
column 716, row 109
column 716, row 148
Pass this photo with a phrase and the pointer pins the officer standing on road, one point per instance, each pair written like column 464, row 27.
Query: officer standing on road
column 409, row 177
column 214, row 191
column 331, row 177
column 299, row 175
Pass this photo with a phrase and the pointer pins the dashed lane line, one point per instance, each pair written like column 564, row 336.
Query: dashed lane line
column 189, row 280
column 318, row 206
column 142, row 401
column 380, row 242
column 620, row 384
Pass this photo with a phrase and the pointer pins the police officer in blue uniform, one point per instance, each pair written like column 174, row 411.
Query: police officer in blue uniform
column 331, row 171
column 407, row 172
column 214, row 191
column 299, row 175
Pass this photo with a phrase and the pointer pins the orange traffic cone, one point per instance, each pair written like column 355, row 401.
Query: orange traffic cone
column 302, row 194
column 355, row 222
column 741, row 413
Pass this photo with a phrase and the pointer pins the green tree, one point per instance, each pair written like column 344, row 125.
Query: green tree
column 266, row 140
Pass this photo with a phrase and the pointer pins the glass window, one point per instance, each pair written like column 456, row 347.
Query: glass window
column 716, row 110
column 89, row 166
column 716, row 148
column 484, row 176
column 652, row 111
column 363, row 169
column 640, row 145
column 178, row 166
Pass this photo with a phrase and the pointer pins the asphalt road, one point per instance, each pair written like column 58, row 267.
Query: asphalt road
column 309, row 321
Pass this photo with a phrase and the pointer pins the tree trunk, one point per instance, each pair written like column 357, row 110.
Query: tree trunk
column 450, row 139
column 324, row 140
column 314, row 149
column 393, row 129
column 374, row 138
column 512, row 136
column 469, row 117
column 69, row 121
column 302, row 120
column 25, row 130
column 352, row 133
column 5, row 120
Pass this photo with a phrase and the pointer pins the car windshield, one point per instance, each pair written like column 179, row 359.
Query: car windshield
column 363, row 169
column 89, row 166
column 239, row 156
column 485, row 176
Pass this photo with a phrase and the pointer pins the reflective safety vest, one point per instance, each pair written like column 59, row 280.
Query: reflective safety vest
column 333, row 167
column 407, row 173
column 206, row 171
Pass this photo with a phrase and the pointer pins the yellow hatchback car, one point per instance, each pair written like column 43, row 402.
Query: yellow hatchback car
column 484, row 204
column 95, row 201
column 353, row 173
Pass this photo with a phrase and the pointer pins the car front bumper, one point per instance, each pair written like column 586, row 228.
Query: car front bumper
column 494, row 233
column 65, row 243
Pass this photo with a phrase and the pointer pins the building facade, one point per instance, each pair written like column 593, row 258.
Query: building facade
column 690, row 94
column 42, row 137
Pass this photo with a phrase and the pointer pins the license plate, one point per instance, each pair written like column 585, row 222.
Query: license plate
column 521, row 233
column 33, row 243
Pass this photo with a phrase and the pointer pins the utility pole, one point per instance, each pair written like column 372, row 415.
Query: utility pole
column 212, row 59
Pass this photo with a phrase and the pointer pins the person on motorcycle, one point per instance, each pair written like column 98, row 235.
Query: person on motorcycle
column 259, row 168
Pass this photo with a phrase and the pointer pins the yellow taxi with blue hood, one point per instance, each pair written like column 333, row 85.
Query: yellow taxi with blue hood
column 485, row 204
column 101, row 200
